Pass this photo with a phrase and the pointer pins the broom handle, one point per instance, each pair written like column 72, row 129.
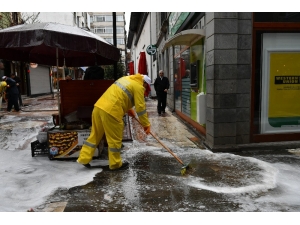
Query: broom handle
column 169, row 150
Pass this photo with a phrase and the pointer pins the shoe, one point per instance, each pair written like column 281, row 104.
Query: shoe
column 87, row 165
column 125, row 165
column 163, row 112
column 159, row 114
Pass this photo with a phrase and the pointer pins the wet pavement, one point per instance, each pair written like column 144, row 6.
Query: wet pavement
column 246, row 181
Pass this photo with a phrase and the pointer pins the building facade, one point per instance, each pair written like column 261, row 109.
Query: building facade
column 142, row 33
column 234, row 76
column 102, row 25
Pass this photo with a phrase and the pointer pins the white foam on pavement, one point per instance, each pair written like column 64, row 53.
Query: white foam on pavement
column 27, row 181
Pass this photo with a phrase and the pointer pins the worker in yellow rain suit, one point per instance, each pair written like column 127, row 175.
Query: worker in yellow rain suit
column 107, row 117
column 3, row 85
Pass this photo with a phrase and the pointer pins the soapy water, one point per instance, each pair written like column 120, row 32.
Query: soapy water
column 252, row 183
column 219, row 172
column 237, row 175
column 258, row 183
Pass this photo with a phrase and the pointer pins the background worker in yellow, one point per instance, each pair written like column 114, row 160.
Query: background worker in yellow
column 3, row 85
column 107, row 117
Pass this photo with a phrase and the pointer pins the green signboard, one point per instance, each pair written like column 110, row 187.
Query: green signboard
column 176, row 19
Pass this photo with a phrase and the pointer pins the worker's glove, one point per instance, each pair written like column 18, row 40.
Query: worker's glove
column 131, row 113
column 147, row 129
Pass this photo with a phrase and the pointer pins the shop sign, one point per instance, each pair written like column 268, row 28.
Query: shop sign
column 280, row 108
column 176, row 19
column 151, row 49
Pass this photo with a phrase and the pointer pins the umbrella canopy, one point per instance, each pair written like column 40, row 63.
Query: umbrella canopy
column 38, row 43
column 131, row 67
column 142, row 67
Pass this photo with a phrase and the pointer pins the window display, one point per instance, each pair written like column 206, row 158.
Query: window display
column 280, row 105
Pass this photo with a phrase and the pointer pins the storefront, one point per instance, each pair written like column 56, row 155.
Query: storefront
column 234, row 76
column 188, row 59
column 237, row 79
column 276, row 77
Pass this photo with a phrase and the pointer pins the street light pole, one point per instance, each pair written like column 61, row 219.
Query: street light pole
column 115, row 42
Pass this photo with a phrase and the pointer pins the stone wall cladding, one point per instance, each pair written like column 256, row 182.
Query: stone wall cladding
column 210, row 98
column 244, row 71
column 225, row 41
column 242, row 100
column 228, row 56
column 228, row 73
column 225, row 86
column 224, row 72
column 225, row 101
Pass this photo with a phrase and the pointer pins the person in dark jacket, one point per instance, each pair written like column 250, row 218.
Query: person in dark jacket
column 94, row 73
column 13, row 94
column 18, row 83
column 161, row 86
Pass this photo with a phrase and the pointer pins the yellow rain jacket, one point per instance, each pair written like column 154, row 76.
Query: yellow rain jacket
column 3, row 85
column 107, row 117
column 126, row 92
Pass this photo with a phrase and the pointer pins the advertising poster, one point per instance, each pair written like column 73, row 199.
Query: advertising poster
column 284, row 102
column 280, row 84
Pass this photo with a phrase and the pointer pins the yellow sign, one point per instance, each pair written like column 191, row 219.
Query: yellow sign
column 284, row 92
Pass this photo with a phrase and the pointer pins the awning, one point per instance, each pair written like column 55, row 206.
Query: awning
column 131, row 68
column 142, row 66
column 186, row 37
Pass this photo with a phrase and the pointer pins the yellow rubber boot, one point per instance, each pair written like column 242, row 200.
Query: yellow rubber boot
column 115, row 160
column 86, row 154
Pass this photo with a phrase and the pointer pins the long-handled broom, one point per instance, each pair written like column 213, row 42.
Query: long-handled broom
column 184, row 166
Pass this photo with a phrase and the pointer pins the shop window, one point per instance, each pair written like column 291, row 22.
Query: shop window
column 194, row 73
column 276, row 77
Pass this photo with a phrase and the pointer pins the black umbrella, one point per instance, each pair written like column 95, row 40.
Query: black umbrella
column 56, row 44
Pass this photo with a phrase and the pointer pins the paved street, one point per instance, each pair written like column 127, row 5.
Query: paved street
column 218, row 182
column 249, row 181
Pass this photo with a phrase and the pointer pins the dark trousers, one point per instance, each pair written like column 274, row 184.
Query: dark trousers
column 20, row 100
column 20, row 97
column 13, row 101
column 161, row 101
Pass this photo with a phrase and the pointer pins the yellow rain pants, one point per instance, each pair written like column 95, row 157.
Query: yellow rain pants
column 107, row 117
column 103, row 122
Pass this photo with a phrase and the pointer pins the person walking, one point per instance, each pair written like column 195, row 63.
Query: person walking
column 13, row 94
column 18, row 83
column 161, row 86
column 107, row 118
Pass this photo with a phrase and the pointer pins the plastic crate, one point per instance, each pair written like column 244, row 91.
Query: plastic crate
column 39, row 149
